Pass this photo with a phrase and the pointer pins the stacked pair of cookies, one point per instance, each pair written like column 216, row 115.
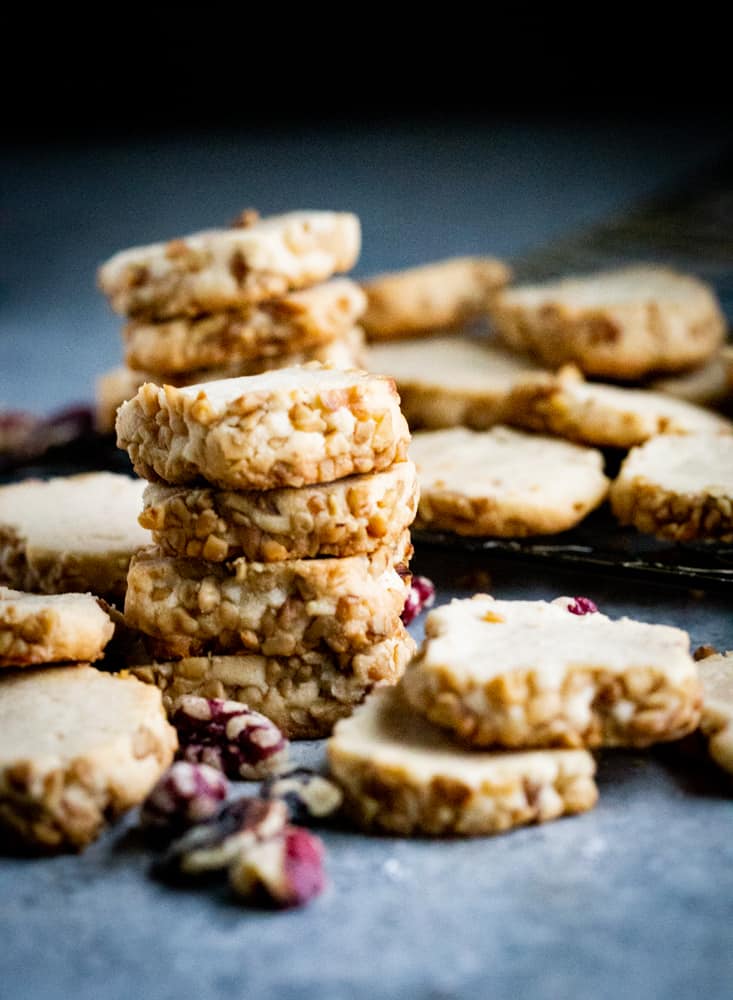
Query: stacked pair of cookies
column 491, row 725
column 280, row 505
column 258, row 296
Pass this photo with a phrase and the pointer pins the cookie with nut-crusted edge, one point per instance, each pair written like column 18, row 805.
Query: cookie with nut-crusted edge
column 286, row 325
column 716, row 724
column 678, row 487
column 70, row 534
column 450, row 381
column 228, row 268
column 290, row 427
column 189, row 607
column 77, row 747
column 349, row 516
column 51, row 628
column 433, row 296
column 504, row 482
column 621, row 324
column 539, row 674
column 602, row 415
column 303, row 695
column 115, row 387
column 402, row 775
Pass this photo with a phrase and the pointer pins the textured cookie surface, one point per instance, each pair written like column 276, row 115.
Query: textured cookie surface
column 304, row 695
column 716, row 674
column 349, row 516
column 290, row 427
column 77, row 746
column 402, row 775
column 115, row 387
column 433, row 296
column 706, row 386
column 622, row 324
column 503, row 482
column 533, row 673
column 280, row 609
column 70, row 534
column 51, row 628
column 287, row 325
column 603, row 415
column 226, row 268
column 450, row 381
column 678, row 487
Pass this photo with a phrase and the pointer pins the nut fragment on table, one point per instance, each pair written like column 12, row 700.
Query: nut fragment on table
column 185, row 795
column 308, row 795
column 284, row 871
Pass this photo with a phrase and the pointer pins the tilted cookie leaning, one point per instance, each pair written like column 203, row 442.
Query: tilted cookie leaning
column 51, row 628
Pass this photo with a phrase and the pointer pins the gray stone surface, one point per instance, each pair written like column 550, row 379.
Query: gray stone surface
column 632, row 900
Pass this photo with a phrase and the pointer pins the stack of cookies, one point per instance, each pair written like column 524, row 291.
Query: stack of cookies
column 280, row 505
column 232, row 302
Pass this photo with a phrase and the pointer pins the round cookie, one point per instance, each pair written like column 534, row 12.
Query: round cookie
column 71, row 534
column 282, row 608
column 77, row 747
column 503, row 482
column 401, row 775
column 40, row 628
column 255, row 260
column 716, row 674
column 534, row 674
column 347, row 517
column 433, row 296
column 450, row 381
column 705, row 386
column 621, row 324
column 291, row 324
column 303, row 695
column 606, row 416
column 678, row 487
column 290, row 427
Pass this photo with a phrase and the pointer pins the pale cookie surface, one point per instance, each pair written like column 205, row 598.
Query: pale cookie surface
column 347, row 517
column 402, row 775
column 70, row 534
column 293, row 323
column 115, row 387
column 41, row 628
column 602, row 415
column 531, row 673
column 279, row 609
column 622, row 324
column 450, row 381
column 290, row 427
column 706, row 386
column 716, row 674
column 678, row 487
column 503, row 482
column 77, row 747
column 226, row 268
column 443, row 294
column 303, row 695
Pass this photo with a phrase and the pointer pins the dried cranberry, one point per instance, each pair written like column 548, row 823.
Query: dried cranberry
column 582, row 606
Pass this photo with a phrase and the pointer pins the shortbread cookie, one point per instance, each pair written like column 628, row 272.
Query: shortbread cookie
column 286, row 428
column 450, row 381
column 228, row 268
column 402, row 775
column 344, row 518
column 706, row 386
column 678, row 487
column 534, row 674
column 431, row 297
column 77, row 747
column 716, row 674
column 303, row 695
column 286, row 325
column 602, row 415
column 40, row 628
column 115, row 387
column 70, row 534
column 279, row 609
column 503, row 482
column 623, row 324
